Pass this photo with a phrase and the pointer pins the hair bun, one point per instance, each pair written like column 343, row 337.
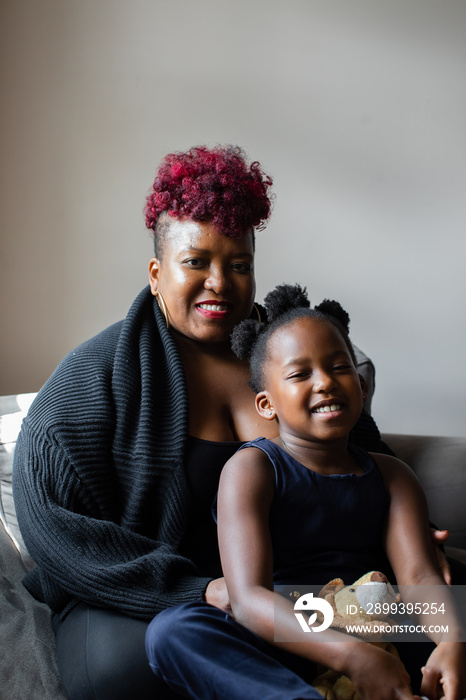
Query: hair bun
column 283, row 298
column 335, row 309
column 244, row 337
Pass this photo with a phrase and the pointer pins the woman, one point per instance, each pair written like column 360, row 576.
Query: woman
column 118, row 460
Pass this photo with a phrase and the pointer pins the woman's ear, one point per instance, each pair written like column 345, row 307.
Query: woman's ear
column 264, row 405
column 154, row 268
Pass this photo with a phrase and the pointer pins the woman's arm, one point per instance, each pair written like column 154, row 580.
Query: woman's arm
column 81, row 553
column 245, row 495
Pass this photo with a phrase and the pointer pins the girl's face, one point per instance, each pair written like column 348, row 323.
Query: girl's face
column 206, row 280
column 313, row 387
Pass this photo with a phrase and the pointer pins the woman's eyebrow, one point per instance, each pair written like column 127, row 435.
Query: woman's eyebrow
column 206, row 251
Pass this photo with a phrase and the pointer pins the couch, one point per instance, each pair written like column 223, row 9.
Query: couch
column 27, row 659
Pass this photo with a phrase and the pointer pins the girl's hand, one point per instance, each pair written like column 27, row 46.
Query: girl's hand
column 377, row 674
column 444, row 675
column 216, row 594
column 440, row 537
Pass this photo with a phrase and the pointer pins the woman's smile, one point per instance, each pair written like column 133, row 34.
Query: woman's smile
column 215, row 309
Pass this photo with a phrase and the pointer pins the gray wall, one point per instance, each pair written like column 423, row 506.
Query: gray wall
column 358, row 109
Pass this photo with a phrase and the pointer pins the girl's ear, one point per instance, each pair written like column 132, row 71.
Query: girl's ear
column 264, row 405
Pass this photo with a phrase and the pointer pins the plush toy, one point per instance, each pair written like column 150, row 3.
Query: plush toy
column 355, row 605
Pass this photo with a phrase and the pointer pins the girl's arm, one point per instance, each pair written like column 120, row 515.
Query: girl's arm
column 245, row 494
column 410, row 551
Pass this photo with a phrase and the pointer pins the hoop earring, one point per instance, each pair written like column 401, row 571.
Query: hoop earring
column 163, row 308
column 256, row 309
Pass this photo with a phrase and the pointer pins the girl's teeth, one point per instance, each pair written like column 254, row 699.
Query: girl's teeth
column 327, row 409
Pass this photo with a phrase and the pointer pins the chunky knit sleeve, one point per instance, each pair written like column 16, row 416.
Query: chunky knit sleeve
column 99, row 482
column 81, row 553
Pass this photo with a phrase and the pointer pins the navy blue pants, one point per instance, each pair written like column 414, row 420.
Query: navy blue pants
column 201, row 652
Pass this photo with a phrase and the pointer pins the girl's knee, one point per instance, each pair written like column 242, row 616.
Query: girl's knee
column 166, row 629
column 173, row 631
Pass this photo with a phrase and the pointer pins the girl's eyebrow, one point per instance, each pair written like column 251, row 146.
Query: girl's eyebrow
column 303, row 360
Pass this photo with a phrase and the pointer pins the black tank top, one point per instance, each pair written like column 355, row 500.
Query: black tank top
column 204, row 460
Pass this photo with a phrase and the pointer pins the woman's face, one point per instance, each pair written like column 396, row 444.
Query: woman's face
column 206, row 280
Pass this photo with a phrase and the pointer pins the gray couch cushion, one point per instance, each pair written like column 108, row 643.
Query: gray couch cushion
column 27, row 660
column 440, row 466
column 12, row 411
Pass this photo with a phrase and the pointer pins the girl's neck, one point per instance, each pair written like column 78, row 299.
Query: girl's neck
column 332, row 457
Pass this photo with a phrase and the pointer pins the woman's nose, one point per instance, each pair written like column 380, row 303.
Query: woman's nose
column 216, row 280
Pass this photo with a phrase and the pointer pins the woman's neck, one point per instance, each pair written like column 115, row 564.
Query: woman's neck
column 189, row 347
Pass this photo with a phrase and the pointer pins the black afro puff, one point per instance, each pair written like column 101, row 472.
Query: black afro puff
column 244, row 337
column 283, row 299
column 333, row 308
column 284, row 304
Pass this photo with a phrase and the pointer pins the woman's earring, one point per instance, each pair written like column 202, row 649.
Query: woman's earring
column 163, row 308
column 256, row 308
column 270, row 413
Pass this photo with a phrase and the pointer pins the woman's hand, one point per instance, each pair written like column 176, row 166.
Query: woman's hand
column 376, row 673
column 216, row 594
column 440, row 537
column 444, row 675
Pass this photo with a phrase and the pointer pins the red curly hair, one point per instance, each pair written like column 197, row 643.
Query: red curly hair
column 213, row 185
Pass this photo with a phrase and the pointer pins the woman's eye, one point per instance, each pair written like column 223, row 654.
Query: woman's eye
column 242, row 267
column 193, row 262
column 341, row 367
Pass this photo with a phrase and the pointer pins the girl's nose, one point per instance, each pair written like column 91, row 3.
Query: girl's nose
column 323, row 382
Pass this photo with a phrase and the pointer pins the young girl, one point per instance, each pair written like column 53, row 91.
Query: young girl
column 306, row 507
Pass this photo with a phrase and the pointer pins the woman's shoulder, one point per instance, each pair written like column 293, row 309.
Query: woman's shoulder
column 82, row 380
column 80, row 386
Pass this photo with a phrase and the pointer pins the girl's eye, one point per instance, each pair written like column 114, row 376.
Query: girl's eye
column 342, row 367
column 298, row 375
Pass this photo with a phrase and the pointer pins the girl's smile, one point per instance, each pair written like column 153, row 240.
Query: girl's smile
column 328, row 408
column 313, row 388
